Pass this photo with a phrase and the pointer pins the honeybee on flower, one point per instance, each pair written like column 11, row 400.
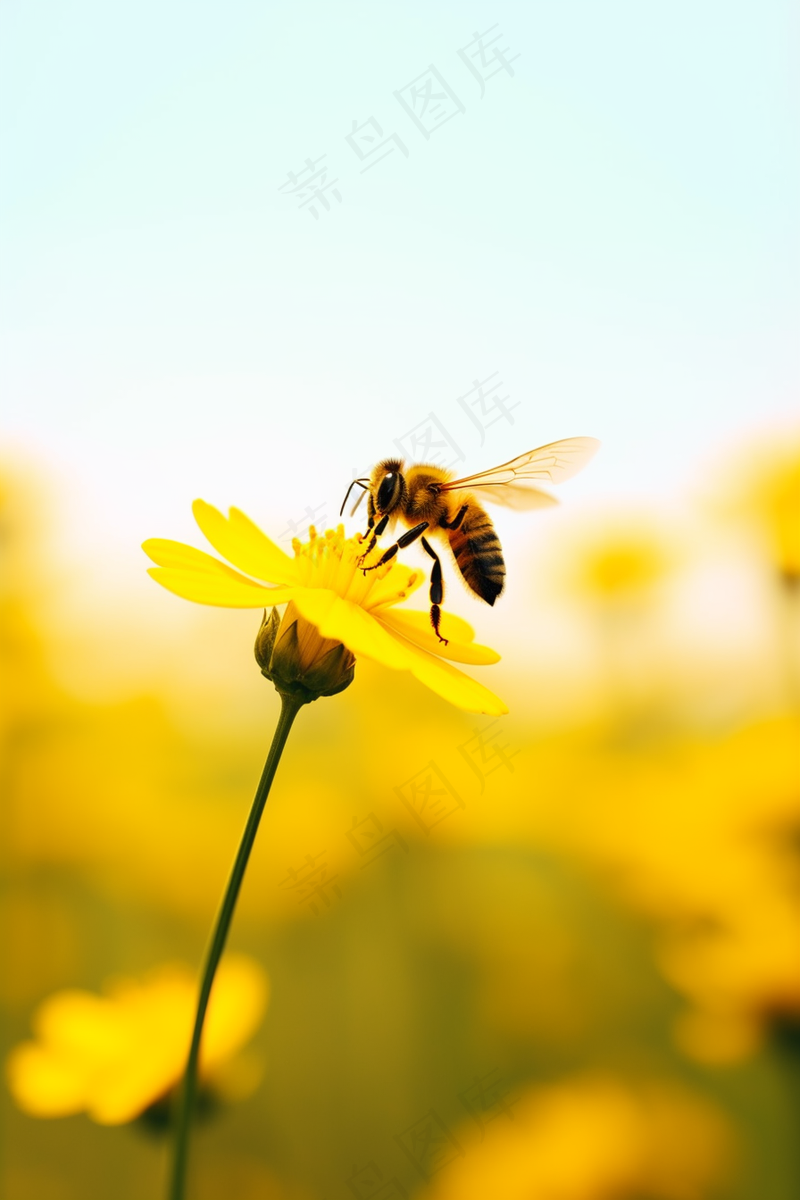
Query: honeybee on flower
column 342, row 598
column 335, row 612
column 426, row 498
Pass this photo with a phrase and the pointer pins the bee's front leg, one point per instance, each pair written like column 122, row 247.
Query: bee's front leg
column 377, row 530
column 400, row 544
column 437, row 589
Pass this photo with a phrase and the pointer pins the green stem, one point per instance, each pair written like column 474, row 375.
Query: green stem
column 289, row 710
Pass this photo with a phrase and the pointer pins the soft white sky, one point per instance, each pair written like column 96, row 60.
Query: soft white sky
column 613, row 230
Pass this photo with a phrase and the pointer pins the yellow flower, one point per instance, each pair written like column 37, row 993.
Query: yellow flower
column 775, row 500
column 115, row 1055
column 325, row 585
column 592, row 1138
column 764, row 489
column 618, row 560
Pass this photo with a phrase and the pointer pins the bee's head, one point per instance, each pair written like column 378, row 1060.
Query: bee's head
column 388, row 486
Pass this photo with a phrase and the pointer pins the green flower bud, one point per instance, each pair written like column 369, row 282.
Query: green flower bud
column 301, row 663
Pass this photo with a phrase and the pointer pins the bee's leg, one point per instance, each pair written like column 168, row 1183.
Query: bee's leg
column 371, row 514
column 437, row 588
column 457, row 519
column 400, row 544
column 377, row 530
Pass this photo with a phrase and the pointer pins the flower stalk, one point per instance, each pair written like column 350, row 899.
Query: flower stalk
column 336, row 610
column 290, row 706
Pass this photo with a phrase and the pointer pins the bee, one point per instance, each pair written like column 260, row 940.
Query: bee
column 426, row 498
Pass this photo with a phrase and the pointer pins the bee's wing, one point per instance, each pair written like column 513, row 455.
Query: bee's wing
column 549, row 464
column 514, row 495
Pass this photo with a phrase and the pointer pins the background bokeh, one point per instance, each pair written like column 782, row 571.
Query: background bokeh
column 584, row 980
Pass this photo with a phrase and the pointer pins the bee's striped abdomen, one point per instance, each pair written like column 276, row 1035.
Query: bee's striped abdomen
column 478, row 554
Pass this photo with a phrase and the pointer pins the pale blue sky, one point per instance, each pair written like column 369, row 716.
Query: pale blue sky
column 612, row 229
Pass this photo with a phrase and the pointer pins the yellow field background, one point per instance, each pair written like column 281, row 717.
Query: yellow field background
column 248, row 251
column 576, row 977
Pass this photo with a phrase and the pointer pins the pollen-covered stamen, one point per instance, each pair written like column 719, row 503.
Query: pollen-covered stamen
column 334, row 562
column 346, row 568
column 333, row 557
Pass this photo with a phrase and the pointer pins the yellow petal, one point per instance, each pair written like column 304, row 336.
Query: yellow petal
column 231, row 591
column 416, row 627
column 235, row 1010
column 345, row 622
column 147, row 1072
column 239, row 540
column 400, row 583
column 166, row 553
column 452, row 626
column 79, row 1025
column 452, row 684
column 45, row 1084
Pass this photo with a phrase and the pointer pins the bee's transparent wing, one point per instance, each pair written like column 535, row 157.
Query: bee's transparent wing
column 514, row 495
column 547, row 464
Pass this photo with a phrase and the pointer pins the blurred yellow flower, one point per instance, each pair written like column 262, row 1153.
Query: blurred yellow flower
column 775, row 497
column 765, row 489
column 324, row 583
column 591, row 1139
column 700, row 835
column 618, row 559
column 115, row 1055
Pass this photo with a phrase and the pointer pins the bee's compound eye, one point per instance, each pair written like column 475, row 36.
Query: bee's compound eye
column 386, row 491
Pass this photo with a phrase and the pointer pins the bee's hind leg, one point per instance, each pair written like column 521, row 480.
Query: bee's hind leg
column 436, row 590
column 457, row 519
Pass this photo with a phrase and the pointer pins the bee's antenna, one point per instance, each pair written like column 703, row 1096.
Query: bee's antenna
column 362, row 483
column 358, row 501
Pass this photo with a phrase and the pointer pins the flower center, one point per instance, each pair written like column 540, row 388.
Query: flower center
column 336, row 562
